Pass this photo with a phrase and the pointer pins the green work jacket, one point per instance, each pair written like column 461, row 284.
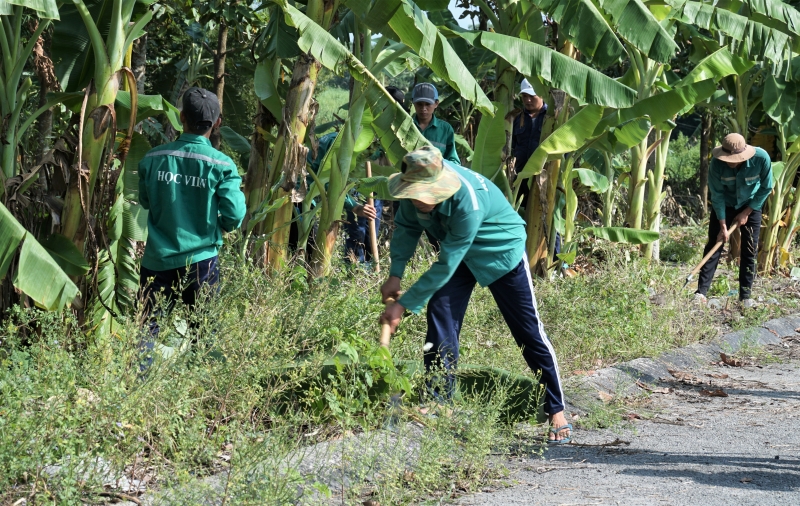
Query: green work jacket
column 476, row 226
column 441, row 135
column 749, row 184
column 193, row 194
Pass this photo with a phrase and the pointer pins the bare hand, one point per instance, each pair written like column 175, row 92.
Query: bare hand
column 723, row 233
column 390, row 289
column 742, row 217
column 365, row 211
column 392, row 315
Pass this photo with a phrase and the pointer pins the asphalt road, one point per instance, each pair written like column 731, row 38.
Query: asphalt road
column 688, row 448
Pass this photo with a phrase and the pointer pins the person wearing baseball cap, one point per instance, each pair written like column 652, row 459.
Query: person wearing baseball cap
column 192, row 192
column 527, row 131
column 425, row 98
column 482, row 241
column 739, row 180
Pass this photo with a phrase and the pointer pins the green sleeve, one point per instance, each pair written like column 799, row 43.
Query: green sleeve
column 349, row 202
column 404, row 241
column 232, row 207
column 450, row 153
column 765, row 187
column 715, row 188
column 144, row 200
column 462, row 229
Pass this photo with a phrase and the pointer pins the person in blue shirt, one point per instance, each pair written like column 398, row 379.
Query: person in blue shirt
column 357, row 225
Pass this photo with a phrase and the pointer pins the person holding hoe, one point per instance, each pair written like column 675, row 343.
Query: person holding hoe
column 482, row 241
column 739, row 180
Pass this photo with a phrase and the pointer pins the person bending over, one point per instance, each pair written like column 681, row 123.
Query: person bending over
column 482, row 241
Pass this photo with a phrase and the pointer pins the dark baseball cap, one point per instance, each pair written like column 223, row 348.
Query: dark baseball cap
column 200, row 108
column 396, row 93
column 424, row 92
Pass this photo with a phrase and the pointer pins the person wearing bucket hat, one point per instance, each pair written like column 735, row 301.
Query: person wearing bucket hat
column 482, row 241
column 739, row 180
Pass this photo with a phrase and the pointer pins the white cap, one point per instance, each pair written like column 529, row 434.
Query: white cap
column 526, row 88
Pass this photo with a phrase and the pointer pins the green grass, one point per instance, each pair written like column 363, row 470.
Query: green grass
column 331, row 101
column 69, row 398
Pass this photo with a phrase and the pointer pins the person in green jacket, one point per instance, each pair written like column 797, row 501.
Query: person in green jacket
column 425, row 98
column 482, row 241
column 739, row 180
column 193, row 194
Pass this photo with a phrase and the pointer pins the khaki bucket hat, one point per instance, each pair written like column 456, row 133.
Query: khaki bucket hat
column 426, row 178
column 734, row 149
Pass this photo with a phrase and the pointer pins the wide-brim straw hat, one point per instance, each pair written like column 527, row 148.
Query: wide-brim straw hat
column 734, row 149
column 426, row 178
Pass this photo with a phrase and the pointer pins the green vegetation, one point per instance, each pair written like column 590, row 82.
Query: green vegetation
column 250, row 398
column 284, row 385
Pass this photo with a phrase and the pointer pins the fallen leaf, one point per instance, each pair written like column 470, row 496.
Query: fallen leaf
column 583, row 372
column 655, row 390
column 713, row 393
column 633, row 416
column 606, row 398
column 773, row 332
column 733, row 362
column 717, row 375
column 685, row 377
column 370, row 502
column 746, row 480
column 408, row 476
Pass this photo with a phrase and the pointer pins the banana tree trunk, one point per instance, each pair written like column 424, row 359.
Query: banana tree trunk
column 332, row 205
column 97, row 123
column 655, row 194
column 220, row 56
column 289, row 155
column 504, row 94
column 636, row 185
column 773, row 235
column 608, row 196
column 257, row 183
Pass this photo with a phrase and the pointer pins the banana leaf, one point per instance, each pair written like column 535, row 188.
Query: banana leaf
column 38, row 275
column 624, row 235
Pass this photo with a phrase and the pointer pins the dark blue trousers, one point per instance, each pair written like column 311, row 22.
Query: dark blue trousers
column 182, row 282
column 357, row 235
column 514, row 295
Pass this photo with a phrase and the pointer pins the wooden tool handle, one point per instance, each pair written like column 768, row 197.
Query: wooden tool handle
column 386, row 329
column 373, row 233
column 711, row 253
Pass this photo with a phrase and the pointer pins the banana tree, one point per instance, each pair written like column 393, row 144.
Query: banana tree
column 13, row 87
column 389, row 121
column 108, row 54
column 781, row 209
column 287, row 162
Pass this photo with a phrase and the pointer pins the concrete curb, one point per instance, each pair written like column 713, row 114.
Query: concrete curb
column 622, row 379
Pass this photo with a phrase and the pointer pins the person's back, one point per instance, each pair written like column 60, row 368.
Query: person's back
column 192, row 192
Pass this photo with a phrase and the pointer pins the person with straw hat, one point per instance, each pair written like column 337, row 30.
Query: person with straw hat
column 482, row 241
column 739, row 180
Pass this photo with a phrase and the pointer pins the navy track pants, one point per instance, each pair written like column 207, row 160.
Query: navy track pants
column 514, row 295
column 184, row 283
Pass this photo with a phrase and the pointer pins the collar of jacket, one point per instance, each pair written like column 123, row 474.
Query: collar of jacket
column 433, row 124
column 541, row 111
column 195, row 139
